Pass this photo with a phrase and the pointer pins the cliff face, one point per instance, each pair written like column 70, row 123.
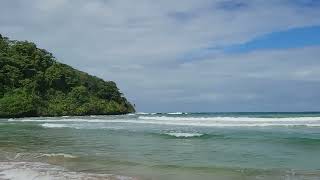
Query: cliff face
column 33, row 83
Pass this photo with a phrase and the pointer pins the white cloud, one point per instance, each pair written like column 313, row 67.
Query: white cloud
column 142, row 45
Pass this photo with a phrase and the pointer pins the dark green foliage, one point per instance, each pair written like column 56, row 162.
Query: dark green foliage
column 33, row 83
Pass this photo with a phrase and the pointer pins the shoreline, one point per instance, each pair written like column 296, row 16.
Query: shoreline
column 39, row 171
column 164, row 113
column 46, row 171
column 109, row 114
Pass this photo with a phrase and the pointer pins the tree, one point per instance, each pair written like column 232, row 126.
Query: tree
column 33, row 83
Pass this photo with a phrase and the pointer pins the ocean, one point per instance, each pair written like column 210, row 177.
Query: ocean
column 163, row 146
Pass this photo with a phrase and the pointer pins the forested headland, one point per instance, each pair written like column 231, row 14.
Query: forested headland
column 34, row 83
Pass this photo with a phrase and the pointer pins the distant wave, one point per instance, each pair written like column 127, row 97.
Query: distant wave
column 184, row 135
column 159, row 113
column 233, row 119
column 81, row 126
column 183, row 121
column 144, row 113
column 51, row 125
column 176, row 113
column 58, row 155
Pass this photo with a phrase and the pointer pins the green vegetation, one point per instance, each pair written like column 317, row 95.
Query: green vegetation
column 33, row 83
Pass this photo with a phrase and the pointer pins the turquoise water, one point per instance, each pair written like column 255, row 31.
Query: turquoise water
column 171, row 146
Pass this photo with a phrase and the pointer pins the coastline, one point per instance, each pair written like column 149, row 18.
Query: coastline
column 162, row 114
column 45, row 171
column 41, row 171
column 57, row 116
column 160, row 147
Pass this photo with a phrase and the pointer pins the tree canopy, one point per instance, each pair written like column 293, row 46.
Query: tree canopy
column 33, row 83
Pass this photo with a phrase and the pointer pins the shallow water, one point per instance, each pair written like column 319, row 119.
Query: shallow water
column 170, row 146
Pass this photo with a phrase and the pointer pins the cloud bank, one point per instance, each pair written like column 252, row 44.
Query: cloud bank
column 169, row 55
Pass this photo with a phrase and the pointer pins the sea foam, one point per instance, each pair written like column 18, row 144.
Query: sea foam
column 33, row 156
column 42, row 171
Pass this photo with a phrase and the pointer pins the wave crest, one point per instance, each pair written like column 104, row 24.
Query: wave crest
column 58, row 155
column 184, row 135
column 233, row 119
column 52, row 125
column 179, row 121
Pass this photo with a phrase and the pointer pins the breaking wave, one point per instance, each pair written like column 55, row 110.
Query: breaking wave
column 184, row 135
column 179, row 121
column 52, row 125
column 59, row 155
column 233, row 119
column 176, row 113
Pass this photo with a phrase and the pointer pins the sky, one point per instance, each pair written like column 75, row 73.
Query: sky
column 190, row 55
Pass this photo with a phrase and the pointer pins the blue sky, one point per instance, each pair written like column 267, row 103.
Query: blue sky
column 209, row 55
column 291, row 38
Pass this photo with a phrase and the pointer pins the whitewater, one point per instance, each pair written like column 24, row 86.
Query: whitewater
column 186, row 121
column 175, row 145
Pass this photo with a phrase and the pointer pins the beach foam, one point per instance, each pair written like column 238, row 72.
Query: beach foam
column 42, row 171
column 33, row 156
